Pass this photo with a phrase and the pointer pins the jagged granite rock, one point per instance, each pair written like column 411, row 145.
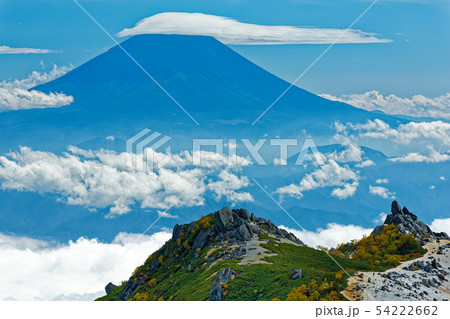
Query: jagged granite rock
column 224, row 220
column 408, row 223
column 241, row 233
column 202, row 238
column 191, row 226
column 243, row 213
column 177, row 230
column 296, row 273
column 110, row 287
column 217, row 290
column 154, row 266
column 129, row 289
column 238, row 224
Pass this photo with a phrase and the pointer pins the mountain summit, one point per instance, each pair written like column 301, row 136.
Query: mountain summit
column 209, row 79
column 217, row 86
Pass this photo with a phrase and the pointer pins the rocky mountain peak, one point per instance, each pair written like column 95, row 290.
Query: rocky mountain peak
column 233, row 233
column 408, row 223
column 237, row 224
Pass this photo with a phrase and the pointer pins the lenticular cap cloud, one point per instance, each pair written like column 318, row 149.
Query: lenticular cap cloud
column 230, row 31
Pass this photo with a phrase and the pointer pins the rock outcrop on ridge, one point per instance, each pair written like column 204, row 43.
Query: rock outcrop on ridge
column 236, row 224
column 408, row 223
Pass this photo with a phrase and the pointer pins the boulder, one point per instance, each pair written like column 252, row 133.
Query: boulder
column 242, row 213
column 154, row 266
column 217, row 290
column 241, row 233
column 177, row 230
column 396, row 208
column 202, row 238
column 110, row 287
column 224, row 220
column 253, row 229
column 166, row 250
column 129, row 289
column 296, row 273
column 442, row 235
column 191, row 226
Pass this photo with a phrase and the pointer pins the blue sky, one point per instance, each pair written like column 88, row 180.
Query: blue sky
column 416, row 62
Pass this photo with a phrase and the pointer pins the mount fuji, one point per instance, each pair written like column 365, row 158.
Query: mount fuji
column 225, row 93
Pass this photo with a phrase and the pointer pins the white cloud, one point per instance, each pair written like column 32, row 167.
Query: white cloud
column 365, row 163
column 441, row 225
column 432, row 187
column 101, row 179
column 332, row 174
column 381, row 191
column 231, row 31
column 418, row 105
column 227, row 185
column 279, row 161
column 331, row 236
column 381, row 218
column 329, row 175
column 405, row 133
column 8, row 50
column 442, row 178
column 353, row 153
column 36, row 270
column 21, row 243
column 36, row 78
column 433, row 157
column 382, row 181
column 19, row 99
column 348, row 190
column 15, row 94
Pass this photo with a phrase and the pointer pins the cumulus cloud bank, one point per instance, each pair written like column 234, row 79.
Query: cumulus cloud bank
column 437, row 131
column 227, row 185
column 15, row 94
column 433, row 157
column 331, row 236
column 8, row 50
column 329, row 175
column 441, row 225
column 38, row 270
column 418, row 105
column 102, row 179
column 332, row 174
column 231, row 31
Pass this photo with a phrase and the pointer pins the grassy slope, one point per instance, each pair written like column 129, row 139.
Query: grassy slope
column 174, row 282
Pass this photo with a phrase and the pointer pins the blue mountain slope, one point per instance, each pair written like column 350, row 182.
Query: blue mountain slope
column 221, row 89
